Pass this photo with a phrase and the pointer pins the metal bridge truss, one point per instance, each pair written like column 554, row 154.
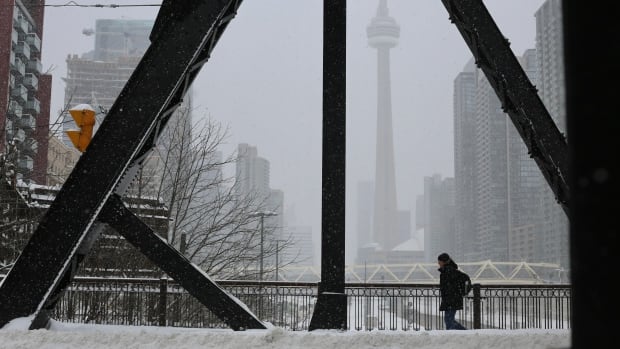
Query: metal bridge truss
column 182, row 39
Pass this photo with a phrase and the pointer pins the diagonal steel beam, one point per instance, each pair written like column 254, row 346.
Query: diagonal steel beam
column 173, row 263
column 42, row 319
column 185, row 31
column 519, row 98
column 205, row 54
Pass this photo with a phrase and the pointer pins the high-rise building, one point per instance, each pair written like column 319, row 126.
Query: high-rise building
column 252, row 172
column 383, row 33
column 275, row 203
column 491, row 165
column 97, row 83
column 116, row 38
column 439, row 224
column 464, row 163
column 504, row 208
column 25, row 95
column 549, row 48
column 252, row 181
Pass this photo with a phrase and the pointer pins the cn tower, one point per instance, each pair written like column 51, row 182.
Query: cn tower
column 383, row 33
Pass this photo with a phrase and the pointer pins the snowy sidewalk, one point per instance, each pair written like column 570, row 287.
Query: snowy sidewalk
column 70, row 336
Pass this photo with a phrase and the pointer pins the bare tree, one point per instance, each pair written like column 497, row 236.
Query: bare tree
column 210, row 222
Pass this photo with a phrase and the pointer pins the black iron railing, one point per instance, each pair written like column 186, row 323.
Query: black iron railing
column 378, row 306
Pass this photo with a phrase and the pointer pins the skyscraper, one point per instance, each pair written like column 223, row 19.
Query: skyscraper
column 251, row 172
column 383, row 33
column 252, row 181
column 26, row 92
column 551, row 60
column 550, row 64
column 464, row 163
column 439, row 222
column 121, row 38
column 504, row 208
column 491, row 165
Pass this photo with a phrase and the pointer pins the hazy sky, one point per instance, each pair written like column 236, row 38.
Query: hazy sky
column 264, row 82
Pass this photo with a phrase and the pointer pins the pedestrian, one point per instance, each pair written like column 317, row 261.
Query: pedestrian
column 451, row 286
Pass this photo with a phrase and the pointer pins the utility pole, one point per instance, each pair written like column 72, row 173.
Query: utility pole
column 262, row 215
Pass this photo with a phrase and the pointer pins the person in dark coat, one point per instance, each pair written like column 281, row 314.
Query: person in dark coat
column 451, row 298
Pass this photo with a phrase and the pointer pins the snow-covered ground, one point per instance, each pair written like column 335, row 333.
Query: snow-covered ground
column 69, row 336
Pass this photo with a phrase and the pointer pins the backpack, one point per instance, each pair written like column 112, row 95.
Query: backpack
column 465, row 285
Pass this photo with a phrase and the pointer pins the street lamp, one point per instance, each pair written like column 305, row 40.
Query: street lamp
column 278, row 307
column 262, row 215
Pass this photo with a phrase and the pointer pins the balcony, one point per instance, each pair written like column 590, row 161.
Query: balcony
column 34, row 42
column 33, row 106
column 20, row 24
column 17, row 134
column 20, row 94
column 17, row 66
column 23, row 50
column 14, row 110
column 27, row 122
column 34, row 66
column 31, row 82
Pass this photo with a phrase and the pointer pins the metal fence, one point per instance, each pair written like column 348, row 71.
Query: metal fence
column 378, row 306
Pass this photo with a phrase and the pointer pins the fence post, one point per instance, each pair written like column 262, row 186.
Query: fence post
column 163, row 300
column 477, row 307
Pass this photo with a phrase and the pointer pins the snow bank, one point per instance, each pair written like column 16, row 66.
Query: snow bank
column 70, row 336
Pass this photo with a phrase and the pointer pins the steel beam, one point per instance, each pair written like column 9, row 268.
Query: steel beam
column 519, row 98
column 184, row 35
column 229, row 13
column 330, row 311
column 175, row 265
